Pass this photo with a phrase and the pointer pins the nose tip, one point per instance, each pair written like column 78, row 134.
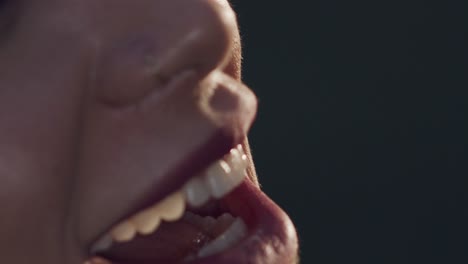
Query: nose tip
column 177, row 36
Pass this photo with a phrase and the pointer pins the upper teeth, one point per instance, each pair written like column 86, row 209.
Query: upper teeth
column 216, row 181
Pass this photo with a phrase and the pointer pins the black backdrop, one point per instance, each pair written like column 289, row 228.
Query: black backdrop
column 362, row 131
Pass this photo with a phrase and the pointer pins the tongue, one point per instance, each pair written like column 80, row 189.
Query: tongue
column 172, row 242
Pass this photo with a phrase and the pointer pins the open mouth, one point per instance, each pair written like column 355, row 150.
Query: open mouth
column 218, row 216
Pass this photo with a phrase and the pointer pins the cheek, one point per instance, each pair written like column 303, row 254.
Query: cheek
column 40, row 101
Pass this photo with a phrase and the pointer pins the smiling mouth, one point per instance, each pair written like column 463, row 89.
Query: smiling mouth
column 218, row 216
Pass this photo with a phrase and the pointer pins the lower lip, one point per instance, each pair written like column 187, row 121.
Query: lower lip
column 272, row 237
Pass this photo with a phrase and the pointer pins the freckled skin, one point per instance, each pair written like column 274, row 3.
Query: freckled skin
column 87, row 106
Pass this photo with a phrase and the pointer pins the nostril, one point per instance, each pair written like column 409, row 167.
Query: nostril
column 225, row 96
column 224, row 100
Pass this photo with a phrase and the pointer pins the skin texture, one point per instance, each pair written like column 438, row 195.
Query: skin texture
column 91, row 92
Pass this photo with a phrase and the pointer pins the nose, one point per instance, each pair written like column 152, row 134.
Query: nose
column 141, row 45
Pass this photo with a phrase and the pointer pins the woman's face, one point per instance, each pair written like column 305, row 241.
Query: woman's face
column 120, row 125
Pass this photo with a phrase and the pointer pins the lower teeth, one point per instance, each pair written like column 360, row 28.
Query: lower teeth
column 216, row 235
column 231, row 236
column 235, row 229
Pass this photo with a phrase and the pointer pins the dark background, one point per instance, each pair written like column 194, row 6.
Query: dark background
column 362, row 131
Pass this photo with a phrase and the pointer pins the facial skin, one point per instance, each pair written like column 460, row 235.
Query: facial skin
column 107, row 104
